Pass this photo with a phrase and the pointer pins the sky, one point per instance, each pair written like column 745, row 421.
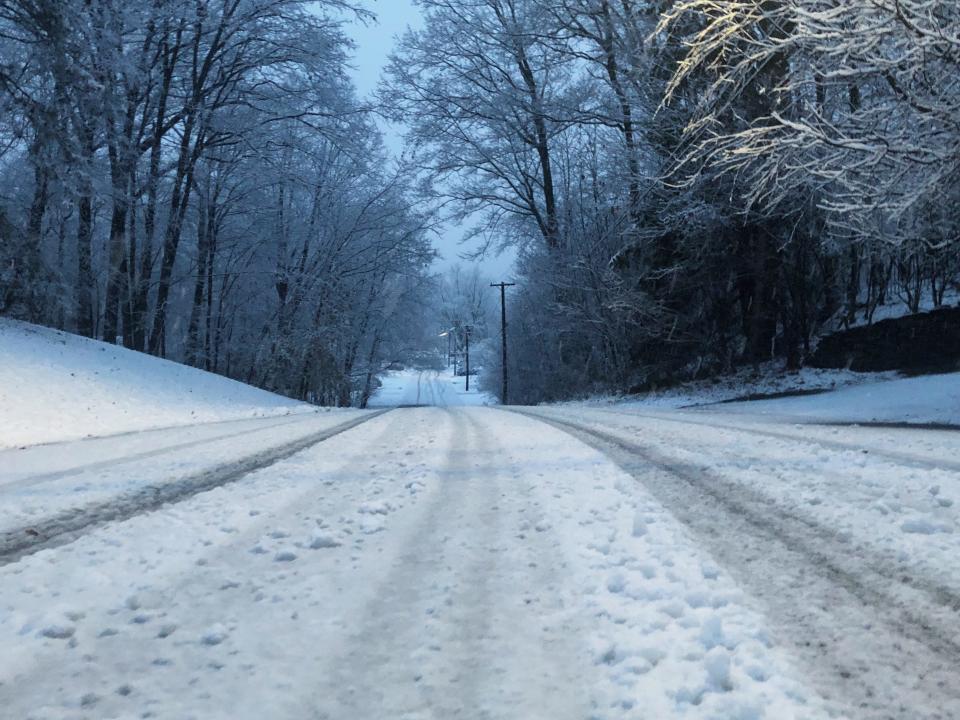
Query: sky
column 375, row 42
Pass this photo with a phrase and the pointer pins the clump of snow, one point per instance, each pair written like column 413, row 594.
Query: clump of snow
column 375, row 507
column 322, row 540
column 371, row 525
column 58, row 632
column 616, row 583
column 55, row 386
column 711, row 632
column 925, row 526
column 166, row 630
column 717, row 665
column 214, row 635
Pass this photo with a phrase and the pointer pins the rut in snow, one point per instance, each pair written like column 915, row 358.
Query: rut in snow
column 34, row 480
column 867, row 630
column 66, row 526
column 901, row 458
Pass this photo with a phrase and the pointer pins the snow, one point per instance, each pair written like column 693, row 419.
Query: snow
column 932, row 399
column 55, row 386
column 321, row 540
column 46, row 481
column 512, row 584
column 872, row 484
column 859, row 500
column 898, row 308
column 812, row 395
column 767, row 379
column 412, row 387
column 924, row 526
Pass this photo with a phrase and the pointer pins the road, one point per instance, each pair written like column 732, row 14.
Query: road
column 473, row 562
column 430, row 388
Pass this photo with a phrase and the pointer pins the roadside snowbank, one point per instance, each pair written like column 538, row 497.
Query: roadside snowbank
column 769, row 379
column 927, row 399
column 810, row 395
column 55, row 386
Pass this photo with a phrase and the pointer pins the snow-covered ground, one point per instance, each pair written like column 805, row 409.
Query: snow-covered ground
column 897, row 308
column 848, row 537
column 931, row 399
column 55, row 386
column 413, row 387
column 43, row 482
column 768, row 379
column 811, row 395
column 578, row 562
column 479, row 564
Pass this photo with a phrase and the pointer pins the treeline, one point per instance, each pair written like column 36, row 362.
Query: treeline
column 196, row 179
column 693, row 184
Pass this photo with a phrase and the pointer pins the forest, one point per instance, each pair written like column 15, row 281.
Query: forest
column 198, row 180
column 690, row 186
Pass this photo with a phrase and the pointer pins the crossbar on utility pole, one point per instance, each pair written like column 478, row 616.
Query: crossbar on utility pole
column 503, row 337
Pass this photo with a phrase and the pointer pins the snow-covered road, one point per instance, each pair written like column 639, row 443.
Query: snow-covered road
column 476, row 563
column 417, row 388
column 845, row 536
column 54, row 491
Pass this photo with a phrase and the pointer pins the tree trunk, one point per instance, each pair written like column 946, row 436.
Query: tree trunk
column 194, row 355
column 17, row 292
column 179, row 198
column 84, row 301
column 116, row 249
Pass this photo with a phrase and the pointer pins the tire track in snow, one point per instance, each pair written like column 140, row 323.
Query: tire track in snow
column 446, row 632
column 432, row 384
column 142, row 432
column 901, row 458
column 65, row 527
column 193, row 595
column 887, row 643
column 34, row 480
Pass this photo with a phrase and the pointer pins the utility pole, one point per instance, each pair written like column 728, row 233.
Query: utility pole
column 457, row 346
column 503, row 336
column 466, row 335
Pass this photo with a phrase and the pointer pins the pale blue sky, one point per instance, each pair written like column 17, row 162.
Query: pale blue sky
column 375, row 42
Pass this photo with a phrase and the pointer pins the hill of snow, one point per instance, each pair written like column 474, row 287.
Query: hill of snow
column 55, row 386
column 768, row 380
column 933, row 399
column 810, row 395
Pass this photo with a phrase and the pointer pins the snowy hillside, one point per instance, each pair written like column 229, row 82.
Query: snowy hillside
column 767, row 380
column 931, row 399
column 56, row 386
column 811, row 394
